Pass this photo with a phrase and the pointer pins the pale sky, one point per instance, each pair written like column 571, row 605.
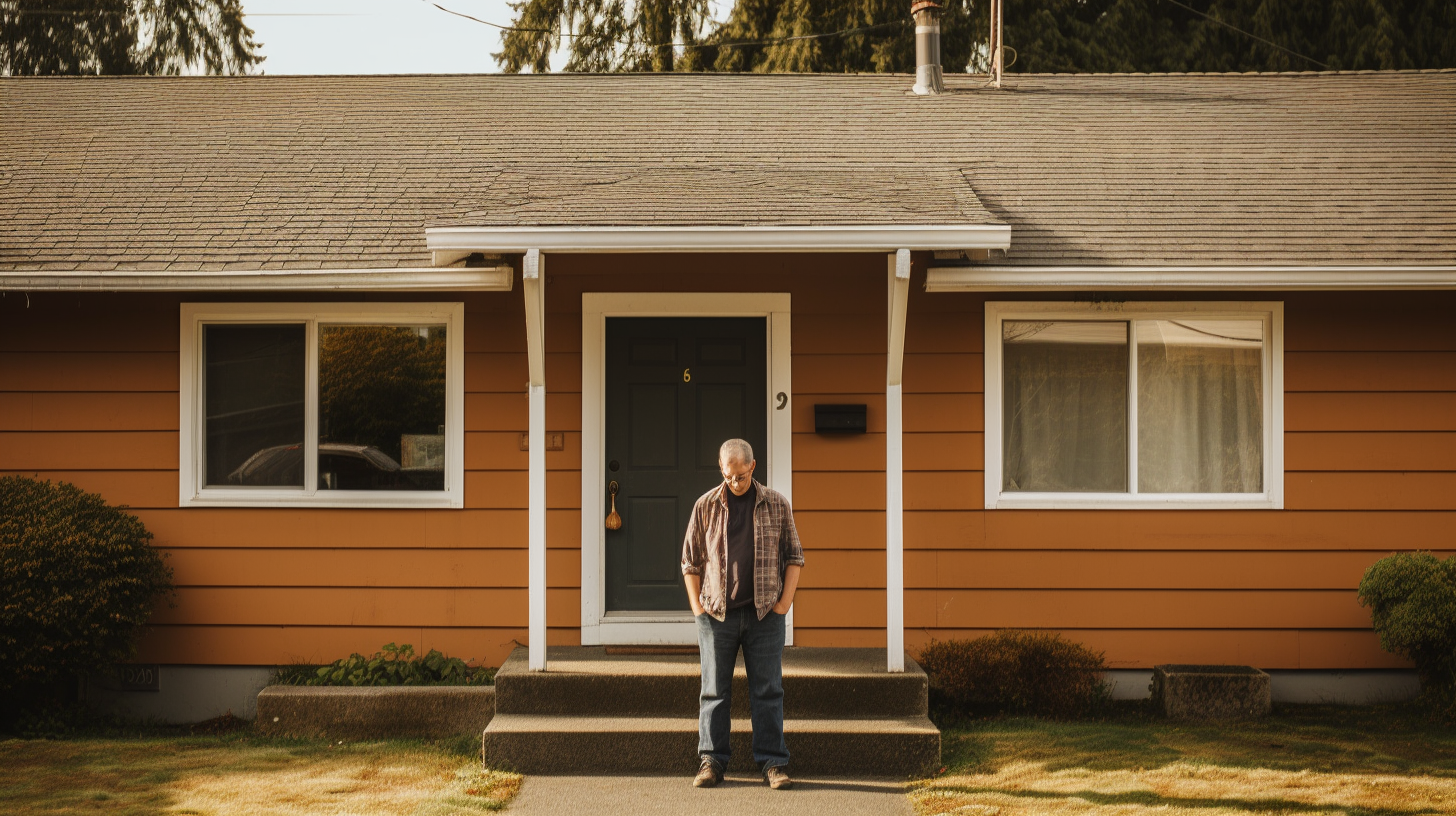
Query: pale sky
column 376, row 36
column 384, row 36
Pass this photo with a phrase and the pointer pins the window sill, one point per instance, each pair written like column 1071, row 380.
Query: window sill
column 1125, row 501
column 358, row 500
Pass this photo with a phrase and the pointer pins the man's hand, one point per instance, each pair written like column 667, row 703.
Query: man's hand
column 695, row 589
column 791, row 584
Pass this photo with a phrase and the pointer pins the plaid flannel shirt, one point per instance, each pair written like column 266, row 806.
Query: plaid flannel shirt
column 775, row 547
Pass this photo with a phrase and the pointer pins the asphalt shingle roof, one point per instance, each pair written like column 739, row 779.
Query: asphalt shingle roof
column 212, row 174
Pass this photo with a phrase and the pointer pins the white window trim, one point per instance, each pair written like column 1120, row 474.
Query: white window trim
column 676, row 628
column 192, row 433
column 1272, row 313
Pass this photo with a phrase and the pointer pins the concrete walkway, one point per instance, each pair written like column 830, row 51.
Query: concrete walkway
column 738, row 795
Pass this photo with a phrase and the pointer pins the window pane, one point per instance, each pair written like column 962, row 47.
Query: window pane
column 253, row 402
column 1200, row 406
column 381, row 408
column 1065, row 406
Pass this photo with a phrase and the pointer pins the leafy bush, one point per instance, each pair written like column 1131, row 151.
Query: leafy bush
column 392, row 666
column 1013, row 672
column 1412, row 600
column 78, row 579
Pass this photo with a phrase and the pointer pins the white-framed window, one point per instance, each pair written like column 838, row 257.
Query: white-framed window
column 322, row 405
column 1133, row 404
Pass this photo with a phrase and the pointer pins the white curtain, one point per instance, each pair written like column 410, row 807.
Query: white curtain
column 1200, row 398
column 1065, row 406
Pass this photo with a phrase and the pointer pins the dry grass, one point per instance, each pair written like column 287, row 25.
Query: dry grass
column 246, row 777
column 1306, row 763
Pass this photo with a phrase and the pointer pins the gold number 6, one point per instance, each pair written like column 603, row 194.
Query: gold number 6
column 687, row 375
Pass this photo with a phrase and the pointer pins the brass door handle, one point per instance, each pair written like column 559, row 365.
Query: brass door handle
column 614, row 521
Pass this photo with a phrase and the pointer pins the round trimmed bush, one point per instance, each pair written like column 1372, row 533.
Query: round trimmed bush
column 1412, row 600
column 78, row 579
column 1011, row 672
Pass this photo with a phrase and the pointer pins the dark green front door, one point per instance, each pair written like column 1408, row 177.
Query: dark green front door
column 676, row 388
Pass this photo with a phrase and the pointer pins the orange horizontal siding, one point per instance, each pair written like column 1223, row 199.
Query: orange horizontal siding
column 341, row 567
column 492, row 372
column 1370, row 491
column 89, row 371
column 285, row 645
column 1083, row 569
column 945, row 412
column 944, row 373
column 1370, row 451
column 945, row 332
column 508, row 412
column 1377, row 322
column 141, row 326
column 281, row 528
column 839, row 333
column 839, row 452
column 1370, row 371
column 102, row 450
column 501, row 450
column 1184, row 530
column 839, row 373
column 1395, row 411
column 382, row 606
column 1141, row 648
column 1122, row 608
column 88, row 411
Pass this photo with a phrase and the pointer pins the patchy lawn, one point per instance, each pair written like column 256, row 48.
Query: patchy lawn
column 1305, row 760
column 244, row 775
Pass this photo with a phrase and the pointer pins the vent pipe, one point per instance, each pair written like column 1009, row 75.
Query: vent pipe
column 927, row 47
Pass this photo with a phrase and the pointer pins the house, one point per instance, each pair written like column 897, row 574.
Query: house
column 1161, row 362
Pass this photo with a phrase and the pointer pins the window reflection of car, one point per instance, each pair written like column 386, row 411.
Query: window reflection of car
column 341, row 467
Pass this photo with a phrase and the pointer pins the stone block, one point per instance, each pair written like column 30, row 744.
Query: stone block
column 375, row 712
column 1184, row 692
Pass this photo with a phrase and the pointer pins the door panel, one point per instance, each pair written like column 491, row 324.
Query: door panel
column 675, row 389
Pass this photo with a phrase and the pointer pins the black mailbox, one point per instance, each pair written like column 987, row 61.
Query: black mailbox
column 839, row 419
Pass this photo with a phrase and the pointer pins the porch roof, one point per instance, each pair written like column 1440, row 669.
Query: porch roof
column 196, row 175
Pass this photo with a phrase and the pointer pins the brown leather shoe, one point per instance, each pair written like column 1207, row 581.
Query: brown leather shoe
column 708, row 774
column 778, row 778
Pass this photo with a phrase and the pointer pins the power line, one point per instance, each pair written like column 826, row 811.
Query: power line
column 739, row 44
column 1247, row 34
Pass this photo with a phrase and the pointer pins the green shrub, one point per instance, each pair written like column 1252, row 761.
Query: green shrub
column 1013, row 672
column 78, row 580
column 392, row 666
column 1412, row 600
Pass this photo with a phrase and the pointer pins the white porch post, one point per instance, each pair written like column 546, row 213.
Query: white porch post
column 534, row 285
column 899, row 296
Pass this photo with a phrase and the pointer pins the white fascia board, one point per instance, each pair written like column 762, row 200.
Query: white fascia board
column 840, row 238
column 410, row 279
column 1063, row 278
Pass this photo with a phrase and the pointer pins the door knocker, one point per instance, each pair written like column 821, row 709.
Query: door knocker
column 614, row 521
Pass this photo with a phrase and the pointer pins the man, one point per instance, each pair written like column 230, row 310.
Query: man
column 741, row 560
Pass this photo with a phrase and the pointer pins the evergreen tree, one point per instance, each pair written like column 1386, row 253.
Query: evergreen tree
column 1041, row 35
column 125, row 37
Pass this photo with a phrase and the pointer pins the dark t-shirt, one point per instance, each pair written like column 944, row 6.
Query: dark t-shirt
column 740, row 547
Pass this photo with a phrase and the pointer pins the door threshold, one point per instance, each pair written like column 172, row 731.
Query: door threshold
column 648, row 617
column 634, row 651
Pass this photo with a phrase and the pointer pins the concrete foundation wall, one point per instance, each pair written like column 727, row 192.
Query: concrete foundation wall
column 1345, row 688
column 190, row 694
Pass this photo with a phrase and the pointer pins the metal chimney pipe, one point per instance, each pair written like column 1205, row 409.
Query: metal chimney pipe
column 927, row 47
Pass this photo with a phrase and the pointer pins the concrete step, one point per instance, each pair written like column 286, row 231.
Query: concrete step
column 818, row 684
column 567, row 744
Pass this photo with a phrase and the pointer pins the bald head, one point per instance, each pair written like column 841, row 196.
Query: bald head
column 735, row 451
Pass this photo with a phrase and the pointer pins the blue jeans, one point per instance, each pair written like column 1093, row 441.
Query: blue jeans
column 763, row 659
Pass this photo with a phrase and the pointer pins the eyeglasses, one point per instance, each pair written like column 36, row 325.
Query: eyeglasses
column 740, row 478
